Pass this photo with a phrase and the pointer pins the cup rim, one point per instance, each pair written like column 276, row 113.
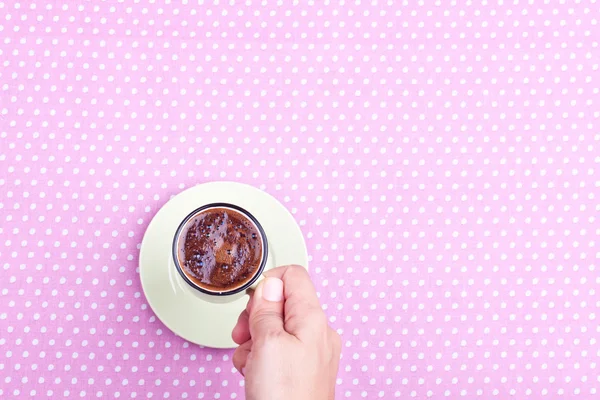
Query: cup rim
column 263, row 261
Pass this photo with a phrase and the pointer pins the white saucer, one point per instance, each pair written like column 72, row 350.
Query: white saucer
column 193, row 319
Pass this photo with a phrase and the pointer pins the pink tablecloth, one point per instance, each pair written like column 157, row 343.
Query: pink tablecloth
column 441, row 157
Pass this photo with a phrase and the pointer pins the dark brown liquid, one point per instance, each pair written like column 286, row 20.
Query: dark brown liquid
column 220, row 249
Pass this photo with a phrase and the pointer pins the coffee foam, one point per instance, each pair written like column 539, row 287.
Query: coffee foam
column 220, row 249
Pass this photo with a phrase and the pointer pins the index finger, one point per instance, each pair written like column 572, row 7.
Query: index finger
column 241, row 331
column 303, row 315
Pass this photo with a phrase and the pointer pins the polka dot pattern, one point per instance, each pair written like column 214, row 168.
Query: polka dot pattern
column 441, row 157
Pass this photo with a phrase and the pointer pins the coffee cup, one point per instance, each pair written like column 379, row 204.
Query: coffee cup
column 220, row 251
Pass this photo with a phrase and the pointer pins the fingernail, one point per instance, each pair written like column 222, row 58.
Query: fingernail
column 273, row 290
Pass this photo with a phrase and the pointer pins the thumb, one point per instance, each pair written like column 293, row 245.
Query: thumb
column 266, row 311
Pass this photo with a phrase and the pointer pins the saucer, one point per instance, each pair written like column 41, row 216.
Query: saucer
column 195, row 320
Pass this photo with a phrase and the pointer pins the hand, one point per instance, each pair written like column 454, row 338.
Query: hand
column 287, row 351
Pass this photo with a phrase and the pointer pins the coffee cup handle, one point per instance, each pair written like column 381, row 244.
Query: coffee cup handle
column 270, row 264
column 255, row 284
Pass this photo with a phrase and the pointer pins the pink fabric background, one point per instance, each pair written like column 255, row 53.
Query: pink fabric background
column 442, row 158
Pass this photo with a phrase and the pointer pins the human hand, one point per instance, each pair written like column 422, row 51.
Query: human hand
column 287, row 350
